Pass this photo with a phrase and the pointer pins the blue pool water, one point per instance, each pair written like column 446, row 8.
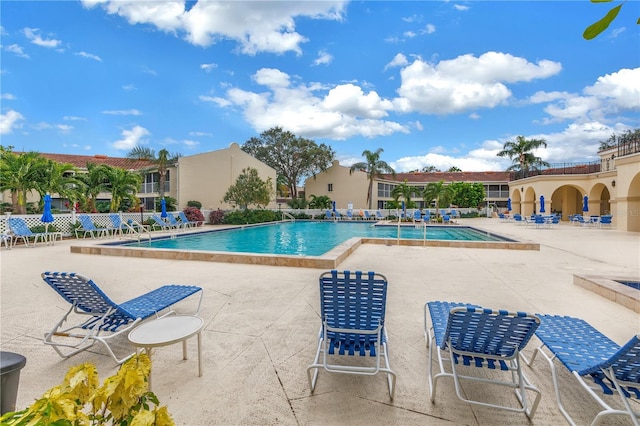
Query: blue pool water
column 306, row 238
column 632, row 284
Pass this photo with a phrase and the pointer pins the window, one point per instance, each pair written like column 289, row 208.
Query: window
column 329, row 187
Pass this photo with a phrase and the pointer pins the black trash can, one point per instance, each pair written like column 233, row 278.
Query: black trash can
column 10, row 366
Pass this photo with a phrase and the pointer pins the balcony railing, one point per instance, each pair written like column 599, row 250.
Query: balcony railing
column 152, row 187
column 558, row 169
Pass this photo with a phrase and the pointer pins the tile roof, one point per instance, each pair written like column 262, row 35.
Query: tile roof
column 420, row 177
column 81, row 161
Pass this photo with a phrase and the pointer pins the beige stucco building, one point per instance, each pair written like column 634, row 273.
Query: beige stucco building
column 611, row 188
column 206, row 177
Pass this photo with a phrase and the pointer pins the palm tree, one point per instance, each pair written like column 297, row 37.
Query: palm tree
column 92, row 183
column 19, row 174
column 161, row 162
column 405, row 191
column 374, row 167
column 438, row 191
column 519, row 151
column 57, row 178
column 123, row 184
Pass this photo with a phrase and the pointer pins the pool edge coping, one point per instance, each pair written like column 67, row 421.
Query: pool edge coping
column 607, row 287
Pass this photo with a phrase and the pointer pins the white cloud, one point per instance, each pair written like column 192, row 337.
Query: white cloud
column 314, row 111
column 323, row 58
column 73, row 118
column 200, row 134
column 208, row 67
column 190, row 143
column 10, row 121
column 256, row 27
column 89, row 56
column 131, row 138
column 17, row 50
column 123, row 112
column 466, row 82
column 128, row 87
column 64, row 128
column 398, row 61
column 621, row 89
column 429, row 29
column 33, row 35
column 8, row 97
column 460, row 7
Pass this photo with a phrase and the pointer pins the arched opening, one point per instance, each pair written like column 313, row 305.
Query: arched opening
column 632, row 211
column 566, row 200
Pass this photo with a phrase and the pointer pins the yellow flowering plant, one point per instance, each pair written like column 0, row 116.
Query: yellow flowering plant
column 124, row 399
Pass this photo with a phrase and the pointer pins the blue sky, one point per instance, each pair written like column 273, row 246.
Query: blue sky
column 432, row 83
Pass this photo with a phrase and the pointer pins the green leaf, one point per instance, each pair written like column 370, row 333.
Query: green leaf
column 601, row 1
column 594, row 29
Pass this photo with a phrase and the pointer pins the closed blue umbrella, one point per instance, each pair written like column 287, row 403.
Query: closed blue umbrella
column 542, row 210
column 585, row 204
column 334, row 206
column 47, row 217
column 509, row 204
column 404, row 210
column 163, row 207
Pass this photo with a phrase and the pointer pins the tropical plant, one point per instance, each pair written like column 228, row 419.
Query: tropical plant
column 520, row 153
column 249, row 189
column 439, row 192
column 56, row 178
column 124, row 399
column 374, row 168
column 293, row 157
column 169, row 202
column 454, row 169
column 122, row 184
column 242, row 217
column 430, row 169
column 298, row 203
column 468, row 194
column 194, row 214
column 92, row 183
column 19, row 174
column 319, row 202
column 216, row 217
column 193, row 203
column 405, row 191
column 161, row 162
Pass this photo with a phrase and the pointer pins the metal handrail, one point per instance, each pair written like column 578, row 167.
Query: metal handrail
column 289, row 215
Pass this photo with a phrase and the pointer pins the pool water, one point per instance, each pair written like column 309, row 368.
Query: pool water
column 307, row 238
column 632, row 284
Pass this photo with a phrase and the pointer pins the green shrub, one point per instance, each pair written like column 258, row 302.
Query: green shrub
column 40, row 229
column 193, row 203
column 297, row 203
column 103, row 206
column 243, row 217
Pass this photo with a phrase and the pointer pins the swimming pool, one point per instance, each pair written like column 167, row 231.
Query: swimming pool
column 308, row 238
column 334, row 241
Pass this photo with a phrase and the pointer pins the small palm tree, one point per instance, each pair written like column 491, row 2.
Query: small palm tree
column 405, row 191
column 520, row 152
column 57, row 178
column 91, row 184
column 438, row 191
column 19, row 174
column 374, row 167
column 123, row 184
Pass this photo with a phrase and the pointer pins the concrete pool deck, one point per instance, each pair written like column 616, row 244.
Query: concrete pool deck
column 261, row 326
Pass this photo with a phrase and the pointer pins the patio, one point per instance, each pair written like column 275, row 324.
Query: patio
column 261, row 326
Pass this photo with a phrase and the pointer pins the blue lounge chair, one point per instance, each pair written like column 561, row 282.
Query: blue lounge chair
column 88, row 227
column 367, row 215
column 19, row 228
column 116, row 221
column 379, row 215
column 473, row 336
column 101, row 315
column 417, row 216
column 178, row 224
column 163, row 224
column 191, row 223
column 352, row 309
column 606, row 220
column 349, row 214
column 589, row 354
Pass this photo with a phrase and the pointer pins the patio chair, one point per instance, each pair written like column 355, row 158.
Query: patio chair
column 100, row 315
column 20, row 230
column 349, row 214
column 590, row 355
column 379, row 215
column 606, row 220
column 176, row 223
column 88, row 227
column 417, row 216
column 367, row 215
column 163, row 224
column 190, row 223
column 352, row 310
column 469, row 336
column 116, row 221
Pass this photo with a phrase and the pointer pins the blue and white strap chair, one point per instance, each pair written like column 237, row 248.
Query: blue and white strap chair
column 88, row 227
column 352, row 310
column 469, row 336
column 189, row 223
column 592, row 357
column 101, row 319
column 20, row 229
